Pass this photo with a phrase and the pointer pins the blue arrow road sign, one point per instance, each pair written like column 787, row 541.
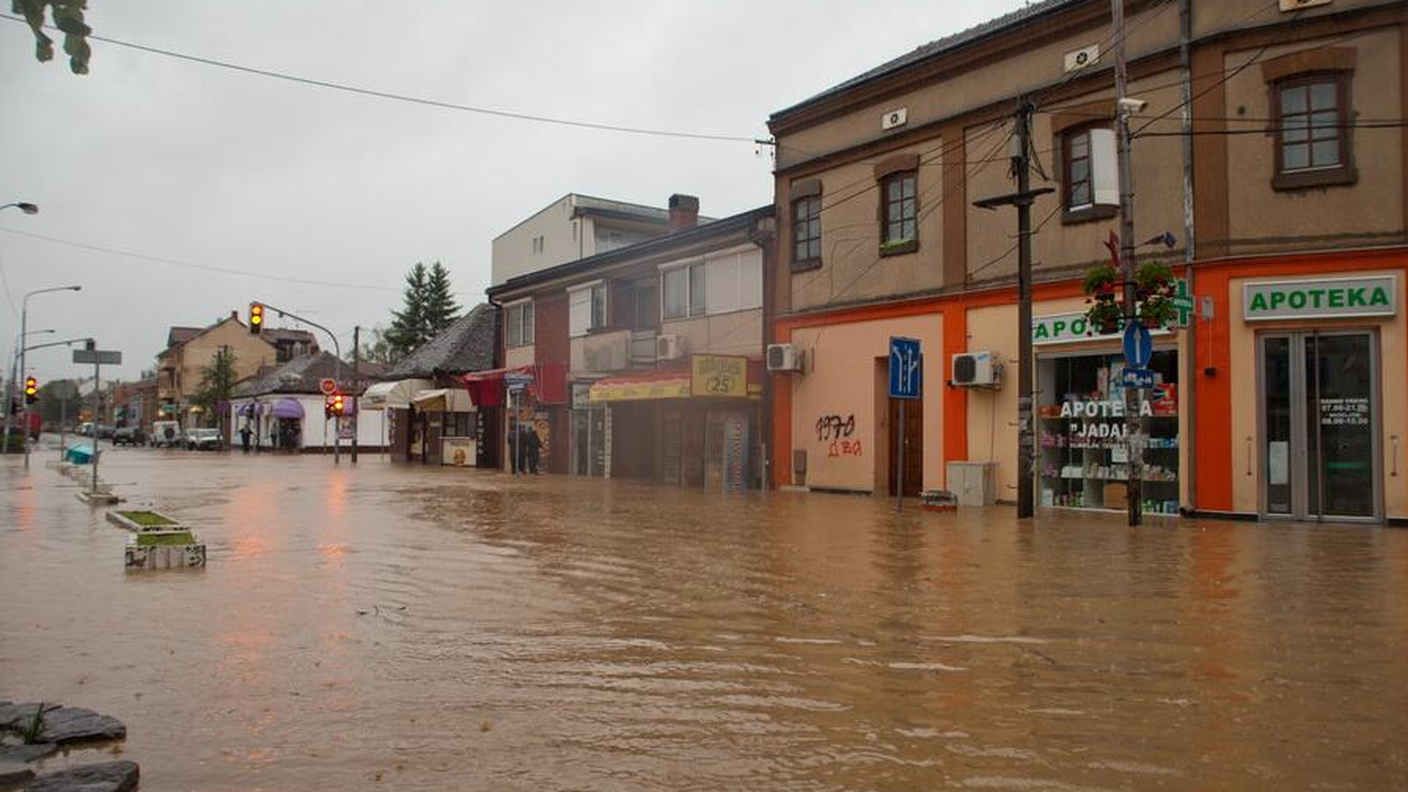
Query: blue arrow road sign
column 906, row 369
column 1138, row 345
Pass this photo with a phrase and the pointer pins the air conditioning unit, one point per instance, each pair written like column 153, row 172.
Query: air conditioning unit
column 784, row 357
column 669, row 347
column 976, row 370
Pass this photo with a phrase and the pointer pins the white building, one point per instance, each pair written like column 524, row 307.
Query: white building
column 575, row 227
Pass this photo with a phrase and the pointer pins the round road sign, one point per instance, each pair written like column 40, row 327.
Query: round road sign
column 328, row 386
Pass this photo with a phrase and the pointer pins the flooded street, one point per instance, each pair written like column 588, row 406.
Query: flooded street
column 418, row 628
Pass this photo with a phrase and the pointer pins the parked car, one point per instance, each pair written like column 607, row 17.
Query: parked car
column 203, row 439
column 85, row 428
column 165, row 434
column 105, row 432
column 129, row 436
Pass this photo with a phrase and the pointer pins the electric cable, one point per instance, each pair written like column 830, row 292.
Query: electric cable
column 418, row 100
column 194, row 265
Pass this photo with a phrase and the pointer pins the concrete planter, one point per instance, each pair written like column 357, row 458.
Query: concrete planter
column 122, row 520
column 157, row 541
column 163, row 556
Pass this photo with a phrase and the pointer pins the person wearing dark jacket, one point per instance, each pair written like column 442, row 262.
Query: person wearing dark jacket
column 532, row 448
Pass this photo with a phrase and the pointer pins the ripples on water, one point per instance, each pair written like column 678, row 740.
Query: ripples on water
column 437, row 629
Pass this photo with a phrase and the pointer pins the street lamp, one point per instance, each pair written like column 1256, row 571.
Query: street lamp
column 24, row 323
column 29, row 209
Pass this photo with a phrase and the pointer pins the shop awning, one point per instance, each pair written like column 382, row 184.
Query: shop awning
column 443, row 400
column 638, row 387
column 393, row 395
column 288, row 408
column 547, row 382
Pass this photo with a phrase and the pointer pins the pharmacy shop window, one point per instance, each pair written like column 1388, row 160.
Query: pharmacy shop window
column 1081, row 434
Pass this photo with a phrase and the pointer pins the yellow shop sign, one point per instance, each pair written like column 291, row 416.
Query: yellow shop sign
column 719, row 375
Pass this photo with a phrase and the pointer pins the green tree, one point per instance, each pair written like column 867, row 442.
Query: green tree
column 428, row 307
column 407, row 329
column 441, row 310
column 217, row 384
column 378, row 349
column 68, row 17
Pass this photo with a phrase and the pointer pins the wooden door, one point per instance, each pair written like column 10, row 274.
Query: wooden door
column 914, row 444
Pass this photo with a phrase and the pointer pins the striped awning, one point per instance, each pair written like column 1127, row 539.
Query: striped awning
column 641, row 387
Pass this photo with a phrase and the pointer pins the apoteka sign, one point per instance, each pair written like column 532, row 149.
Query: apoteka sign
column 1326, row 298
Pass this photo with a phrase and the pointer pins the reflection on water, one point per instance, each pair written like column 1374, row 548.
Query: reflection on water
column 438, row 629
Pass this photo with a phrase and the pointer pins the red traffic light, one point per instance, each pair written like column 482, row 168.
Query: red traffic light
column 333, row 405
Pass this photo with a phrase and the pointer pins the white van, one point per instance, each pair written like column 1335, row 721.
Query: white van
column 165, row 434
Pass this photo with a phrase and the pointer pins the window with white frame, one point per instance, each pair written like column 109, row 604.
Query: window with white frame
column 518, row 324
column 721, row 283
column 682, row 291
column 586, row 309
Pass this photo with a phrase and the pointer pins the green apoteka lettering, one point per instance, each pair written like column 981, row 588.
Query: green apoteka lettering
column 1318, row 298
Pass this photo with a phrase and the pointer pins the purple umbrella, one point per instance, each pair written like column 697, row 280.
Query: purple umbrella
column 288, row 408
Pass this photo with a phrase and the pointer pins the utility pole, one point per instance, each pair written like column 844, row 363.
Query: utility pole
column 1021, row 164
column 1023, row 199
column 1134, row 448
column 356, row 384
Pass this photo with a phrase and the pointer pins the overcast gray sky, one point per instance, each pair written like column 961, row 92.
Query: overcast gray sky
column 186, row 162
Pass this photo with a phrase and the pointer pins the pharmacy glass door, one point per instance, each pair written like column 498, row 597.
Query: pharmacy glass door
column 1318, row 424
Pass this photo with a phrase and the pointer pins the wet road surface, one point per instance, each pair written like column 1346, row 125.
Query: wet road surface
column 416, row 628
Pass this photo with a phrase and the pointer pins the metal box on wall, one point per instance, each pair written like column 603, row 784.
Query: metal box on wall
column 973, row 482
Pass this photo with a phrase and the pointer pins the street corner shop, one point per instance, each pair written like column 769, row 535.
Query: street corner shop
column 1306, row 389
column 1287, row 401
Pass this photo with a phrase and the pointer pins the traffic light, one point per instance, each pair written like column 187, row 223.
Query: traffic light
column 256, row 318
column 333, row 405
column 31, row 390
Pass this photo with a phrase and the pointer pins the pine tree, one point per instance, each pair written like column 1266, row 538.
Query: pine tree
column 440, row 306
column 407, row 329
column 428, row 307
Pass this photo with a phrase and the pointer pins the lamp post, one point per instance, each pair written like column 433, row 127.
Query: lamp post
column 29, row 209
column 24, row 322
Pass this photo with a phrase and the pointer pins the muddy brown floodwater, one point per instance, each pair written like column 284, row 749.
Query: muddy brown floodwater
column 414, row 628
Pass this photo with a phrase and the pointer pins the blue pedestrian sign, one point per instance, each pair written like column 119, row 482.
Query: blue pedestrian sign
column 1138, row 345
column 1138, row 378
column 906, row 368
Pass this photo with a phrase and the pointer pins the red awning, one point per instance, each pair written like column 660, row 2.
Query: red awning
column 548, row 386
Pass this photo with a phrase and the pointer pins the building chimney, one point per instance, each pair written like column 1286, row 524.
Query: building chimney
column 684, row 212
column 235, row 314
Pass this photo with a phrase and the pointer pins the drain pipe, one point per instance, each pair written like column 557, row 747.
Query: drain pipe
column 764, row 235
column 1185, row 67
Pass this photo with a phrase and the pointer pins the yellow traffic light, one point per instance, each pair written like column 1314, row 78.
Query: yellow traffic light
column 31, row 390
column 256, row 318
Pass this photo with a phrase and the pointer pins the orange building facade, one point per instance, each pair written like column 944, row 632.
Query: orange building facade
column 1280, row 391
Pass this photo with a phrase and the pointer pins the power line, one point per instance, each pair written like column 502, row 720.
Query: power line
column 397, row 97
column 1227, row 76
column 1163, row 86
column 196, row 266
column 1395, row 124
column 983, row 162
column 988, row 158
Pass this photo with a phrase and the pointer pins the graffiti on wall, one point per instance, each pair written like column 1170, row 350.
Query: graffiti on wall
column 839, row 448
column 834, row 427
column 837, row 433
